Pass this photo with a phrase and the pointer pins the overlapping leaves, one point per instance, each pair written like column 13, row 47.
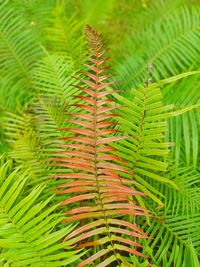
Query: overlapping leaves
column 28, row 234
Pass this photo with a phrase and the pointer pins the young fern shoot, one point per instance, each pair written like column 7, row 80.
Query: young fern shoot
column 96, row 195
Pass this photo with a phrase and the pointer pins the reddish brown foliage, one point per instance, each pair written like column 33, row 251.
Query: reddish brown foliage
column 105, row 199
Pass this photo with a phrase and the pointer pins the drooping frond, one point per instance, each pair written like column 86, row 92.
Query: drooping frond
column 185, row 201
column 172, row 45
column 104, row 198
column 167, row 247
column 25, row 145
column 28, row 234
column 175, row 229
column 157, row 10
column 184, row 129
column 32, row 135
column 19, row 51
column 14, row 125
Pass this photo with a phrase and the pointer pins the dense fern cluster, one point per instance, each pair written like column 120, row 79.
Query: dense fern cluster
column 97, row 169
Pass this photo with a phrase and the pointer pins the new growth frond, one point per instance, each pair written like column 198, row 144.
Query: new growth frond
column 104, row 198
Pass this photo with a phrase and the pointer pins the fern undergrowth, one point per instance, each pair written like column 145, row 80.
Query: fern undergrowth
column 97, row 169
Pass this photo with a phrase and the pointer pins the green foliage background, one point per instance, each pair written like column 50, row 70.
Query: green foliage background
column 41, row 48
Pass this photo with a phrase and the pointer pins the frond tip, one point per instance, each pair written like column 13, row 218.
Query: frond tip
column 104, row 198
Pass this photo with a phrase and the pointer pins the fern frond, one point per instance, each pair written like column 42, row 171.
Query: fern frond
column 143, row 120
column 32, row 135
column 186, row 200
column 102, row 195
column 53, row 77
column 19, row 51
column 167, row 248
column 171, row 45
column 37, row 15
column 20, row 133
column 65, row 35
column 28, row 234
column 184, row 130
column 175, row 232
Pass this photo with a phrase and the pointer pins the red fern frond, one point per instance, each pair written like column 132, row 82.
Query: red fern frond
column 104, row 198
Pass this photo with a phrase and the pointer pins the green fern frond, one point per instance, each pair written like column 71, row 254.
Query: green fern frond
column 184, row 130
column 19, row 52
column 167, row 248
column 53, row 77
column 175, row 231
column 143, row 120
column 37, row 15
column 171, row 45
column 185, row 201
column 28, row 234
column 33, row 137
column 65, row 35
